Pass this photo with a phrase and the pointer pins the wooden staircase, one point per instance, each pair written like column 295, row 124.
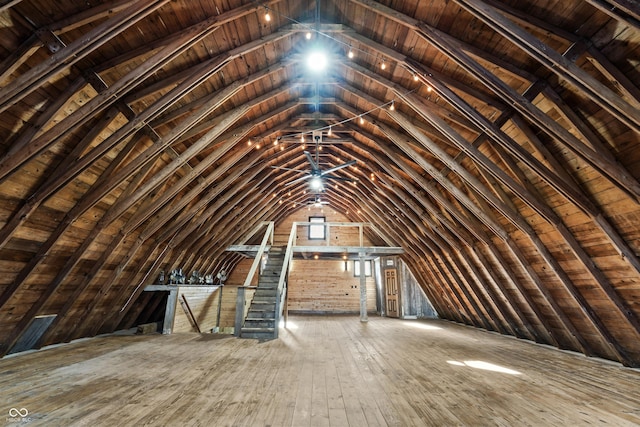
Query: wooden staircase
column 260, row 320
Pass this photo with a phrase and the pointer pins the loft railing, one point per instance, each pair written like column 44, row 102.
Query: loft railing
column 327, row 230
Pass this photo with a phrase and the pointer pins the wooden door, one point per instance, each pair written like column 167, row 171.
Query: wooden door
column 391, row 286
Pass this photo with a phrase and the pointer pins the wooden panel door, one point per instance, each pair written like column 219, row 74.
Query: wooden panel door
column 391, row 287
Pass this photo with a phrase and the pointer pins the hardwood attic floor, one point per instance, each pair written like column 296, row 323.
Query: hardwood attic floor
column 324, row 371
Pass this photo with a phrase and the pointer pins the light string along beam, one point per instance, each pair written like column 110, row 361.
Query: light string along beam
column 259, row 143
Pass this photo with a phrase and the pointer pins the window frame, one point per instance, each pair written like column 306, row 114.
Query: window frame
column 368, row 268
column 315, row 229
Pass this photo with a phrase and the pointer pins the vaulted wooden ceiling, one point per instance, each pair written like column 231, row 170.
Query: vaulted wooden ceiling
column 140, row 135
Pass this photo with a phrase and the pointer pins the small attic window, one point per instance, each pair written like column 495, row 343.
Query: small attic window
column 317, row 232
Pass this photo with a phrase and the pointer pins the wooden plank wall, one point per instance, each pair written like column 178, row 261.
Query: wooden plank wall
column 230, row 292
column 324, row 286
column 203, row 302
column 339, row 235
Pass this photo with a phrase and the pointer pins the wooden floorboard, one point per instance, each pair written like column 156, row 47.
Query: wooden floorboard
column 323, row 371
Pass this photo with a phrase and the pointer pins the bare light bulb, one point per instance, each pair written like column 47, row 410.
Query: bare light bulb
column 316, row 183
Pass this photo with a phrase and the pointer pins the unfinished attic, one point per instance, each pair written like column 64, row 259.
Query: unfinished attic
column 412, row 205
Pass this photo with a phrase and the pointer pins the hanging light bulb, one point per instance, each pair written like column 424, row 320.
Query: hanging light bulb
column 316, row 183
column 361, row 120
column 392, row 106
column 329, row 132
column 383, row 65
column 415, row 77
column 267, row 16
column 350, row 54
column 276, row 141
column 249, row 142
column 302, row 138
column 258, row 147
column 429, row 89
column 308, row 35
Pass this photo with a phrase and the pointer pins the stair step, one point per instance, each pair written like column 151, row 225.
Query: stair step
column 259, row 324
column 265, row 315
column 256, row 312
column 263, row 306
column 259, row 333
column 270, row 296
column 263, row 300
column 263, row 336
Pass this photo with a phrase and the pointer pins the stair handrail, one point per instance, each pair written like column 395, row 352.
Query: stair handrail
column 268, row 237
column 281, row 292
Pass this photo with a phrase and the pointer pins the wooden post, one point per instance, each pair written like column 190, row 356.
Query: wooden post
column 363, row 291
column 219, row 308
column 328, row 234
column 169, row 312
column 239, row 311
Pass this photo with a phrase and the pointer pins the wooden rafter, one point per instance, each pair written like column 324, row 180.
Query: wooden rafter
column 75, row 51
